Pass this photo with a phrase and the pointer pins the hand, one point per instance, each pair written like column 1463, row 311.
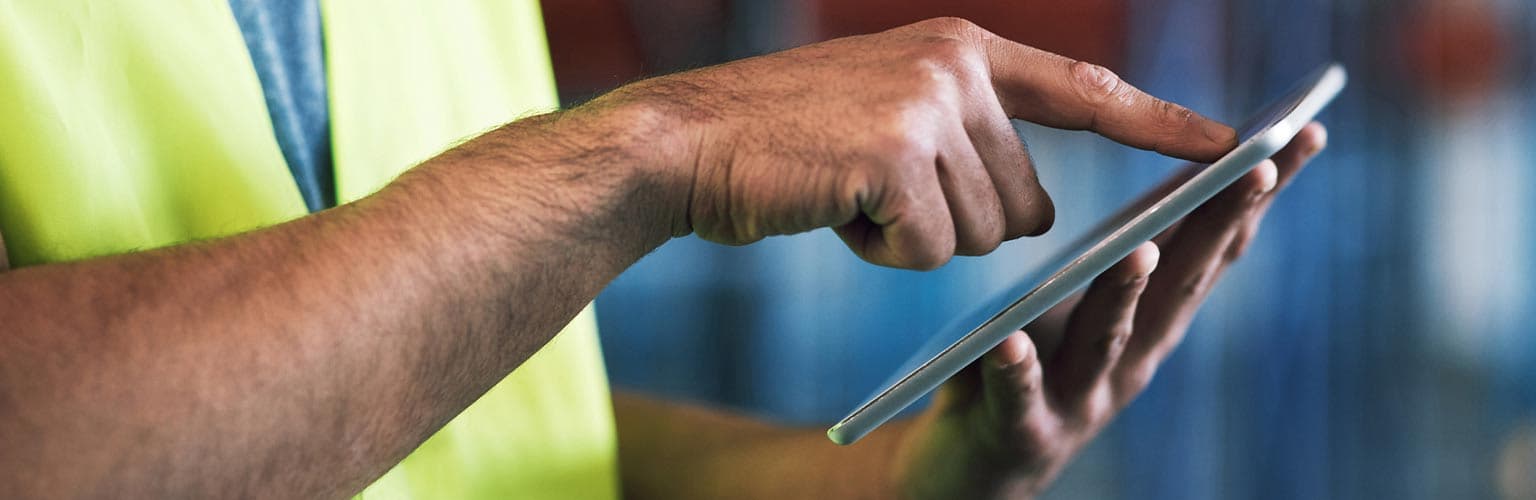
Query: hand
column 1006, row 426
column 899, row 140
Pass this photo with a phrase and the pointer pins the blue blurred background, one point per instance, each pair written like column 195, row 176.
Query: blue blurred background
column 1375, row 342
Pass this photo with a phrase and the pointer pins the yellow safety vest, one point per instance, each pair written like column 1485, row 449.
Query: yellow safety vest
column 134, row 124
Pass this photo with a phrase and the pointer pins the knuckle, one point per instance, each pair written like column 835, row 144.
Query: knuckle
column 1175, row 118
column 1133, row 381
column 856, row 184
column 957, row 54
column 982, row 241
column 994, row 236
column 946, row 49
column 902, row 150
column 934, row 241
column 1131, row 286
column 1173, row 121
column 1114, row 340
column 1256, row 184
column 951, row 25
column 1028, row 382
column 1034, row 434
column 1236, row 250
column 984, row 229
column 1031, row 211
column 932, row 254
column 1042, row 217
column 1096, row 84
column 899, row 136
column 1195, row 285
column 1097, row 408
column 948, row 44
column 930, row 242
column 930, row 73
column 942, row 66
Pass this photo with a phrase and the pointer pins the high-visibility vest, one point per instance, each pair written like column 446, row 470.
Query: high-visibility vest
column 134, row 124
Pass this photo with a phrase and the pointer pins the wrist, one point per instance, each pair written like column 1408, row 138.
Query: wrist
column 655, row 125
column 571, row 179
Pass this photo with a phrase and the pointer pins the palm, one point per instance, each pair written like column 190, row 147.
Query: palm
column 1007, row 425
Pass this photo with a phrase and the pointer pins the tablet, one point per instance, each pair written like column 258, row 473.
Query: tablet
column 948, row 352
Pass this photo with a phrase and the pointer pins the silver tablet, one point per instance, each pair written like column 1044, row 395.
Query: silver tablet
column 945, row 355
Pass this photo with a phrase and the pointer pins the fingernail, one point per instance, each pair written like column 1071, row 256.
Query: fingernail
column 1269, row 176
column 1218, row 133
column 1157, row 255
column 1011, row 353
column 1321, row 142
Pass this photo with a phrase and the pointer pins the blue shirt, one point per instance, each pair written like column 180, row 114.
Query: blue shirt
column 287, row 47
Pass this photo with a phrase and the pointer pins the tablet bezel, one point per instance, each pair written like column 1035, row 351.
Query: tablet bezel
column 1319, row 89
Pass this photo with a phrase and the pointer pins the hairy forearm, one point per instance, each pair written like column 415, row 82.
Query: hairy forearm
column 305, row 359
column 676, row 451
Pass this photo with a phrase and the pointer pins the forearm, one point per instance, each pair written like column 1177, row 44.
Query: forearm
column 674, row 451
column 305, row 359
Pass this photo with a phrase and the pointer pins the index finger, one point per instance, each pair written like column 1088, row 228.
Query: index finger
column 1056, row 91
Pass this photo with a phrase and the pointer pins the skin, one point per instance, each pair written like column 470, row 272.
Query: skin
column 182, row 371
column 1006, row 426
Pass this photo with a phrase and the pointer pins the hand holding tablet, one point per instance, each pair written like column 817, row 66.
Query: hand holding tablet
column 954, row 348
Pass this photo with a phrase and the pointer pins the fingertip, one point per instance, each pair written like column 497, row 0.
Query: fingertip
column 1131, row 271
column 1144, row 258
column 1202, row 139
column 1265, row 176
column 1317, row 137
column 1014, row 351
column 1012, row 376
column 1046, row 213
column 1221, row 136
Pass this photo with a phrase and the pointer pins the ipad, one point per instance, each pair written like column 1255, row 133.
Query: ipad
column 972, row 335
